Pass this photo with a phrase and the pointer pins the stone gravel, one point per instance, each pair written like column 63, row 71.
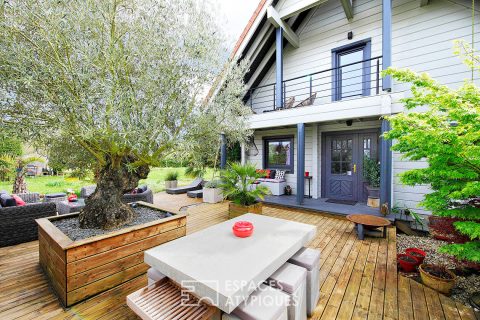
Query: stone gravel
column 71, row 226
column 464, row 286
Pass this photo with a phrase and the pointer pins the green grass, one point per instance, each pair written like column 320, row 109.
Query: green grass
column 53, row 184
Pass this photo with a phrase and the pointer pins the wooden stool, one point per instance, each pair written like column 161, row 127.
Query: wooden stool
column 309, row 259
column 291, row 279
column 165, row 300
column 369, row 222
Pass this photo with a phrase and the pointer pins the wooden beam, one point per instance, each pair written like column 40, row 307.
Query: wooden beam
column 299, row 7
column 423, row 3
column 277, row 22
column 348, row 8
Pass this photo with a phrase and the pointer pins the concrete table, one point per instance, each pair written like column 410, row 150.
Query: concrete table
column 224, row 270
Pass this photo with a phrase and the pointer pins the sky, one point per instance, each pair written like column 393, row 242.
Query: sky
column 236, row 14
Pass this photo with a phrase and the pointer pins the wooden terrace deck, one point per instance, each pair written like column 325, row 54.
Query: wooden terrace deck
column 358, row 279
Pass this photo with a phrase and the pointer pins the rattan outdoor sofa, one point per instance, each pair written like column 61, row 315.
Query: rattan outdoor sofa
column 17, row 224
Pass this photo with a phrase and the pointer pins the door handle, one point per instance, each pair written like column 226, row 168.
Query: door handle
column 355, row 168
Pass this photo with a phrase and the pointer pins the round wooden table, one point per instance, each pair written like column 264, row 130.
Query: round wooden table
column 366, row 221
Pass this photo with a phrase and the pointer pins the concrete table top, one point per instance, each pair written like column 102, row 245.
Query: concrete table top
column 224, row 270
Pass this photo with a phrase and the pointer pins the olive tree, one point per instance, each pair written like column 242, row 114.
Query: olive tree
column 123, row 80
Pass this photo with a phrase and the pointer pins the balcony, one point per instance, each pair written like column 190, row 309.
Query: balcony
column 347, row 82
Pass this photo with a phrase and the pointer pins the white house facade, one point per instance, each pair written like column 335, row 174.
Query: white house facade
column 318, row 98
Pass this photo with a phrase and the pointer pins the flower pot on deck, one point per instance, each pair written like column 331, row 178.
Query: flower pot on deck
column 84, row 268
column 171, row 184
column 235, row 210
column 373, row 197
column 438, row 278
column 407, row 262
column 212, row 195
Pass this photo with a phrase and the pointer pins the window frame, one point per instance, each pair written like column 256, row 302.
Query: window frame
column 265, row 153
column 365, row 46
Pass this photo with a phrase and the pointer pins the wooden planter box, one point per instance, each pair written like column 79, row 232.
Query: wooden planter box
column 80, row 269
column 235, row 210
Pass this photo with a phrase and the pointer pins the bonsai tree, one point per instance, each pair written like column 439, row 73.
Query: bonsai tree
column 447, row 135
column 123, row 80
column 236, row 182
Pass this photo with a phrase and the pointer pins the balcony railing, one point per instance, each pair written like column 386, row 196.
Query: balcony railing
column 348, row 81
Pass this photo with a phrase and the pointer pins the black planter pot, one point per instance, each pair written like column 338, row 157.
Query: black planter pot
column 373, row 192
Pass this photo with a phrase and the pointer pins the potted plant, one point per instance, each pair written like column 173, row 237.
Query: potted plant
column 407, row 262
column 238, row 186
column 371, row 175
column 437, row 277
column 171, row 179
column 212, row 193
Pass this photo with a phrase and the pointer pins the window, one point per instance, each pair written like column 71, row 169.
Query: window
column 351, row 71
column 342, row 150
column 278, row 153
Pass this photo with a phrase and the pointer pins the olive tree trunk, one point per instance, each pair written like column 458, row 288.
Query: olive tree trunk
column 104, row 208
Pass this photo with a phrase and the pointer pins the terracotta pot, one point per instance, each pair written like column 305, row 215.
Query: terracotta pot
column 436, row 283
column 417, row 254
column 407, row 266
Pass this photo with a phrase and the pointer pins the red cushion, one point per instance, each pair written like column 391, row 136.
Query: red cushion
column 18, row 200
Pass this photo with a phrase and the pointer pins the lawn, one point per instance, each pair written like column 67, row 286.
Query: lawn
column 53, row 184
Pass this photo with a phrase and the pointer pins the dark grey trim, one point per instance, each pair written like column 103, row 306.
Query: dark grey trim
column 385, row 166
column 279, row 69
column 387, row 42
column 323, row 148
column 300, row 162
column 366, row 45
column 223, row 152
column 289, row 169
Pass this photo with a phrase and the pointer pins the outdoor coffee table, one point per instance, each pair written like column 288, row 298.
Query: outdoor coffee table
column 65, row 207
column 224, row 270
column 369, row 222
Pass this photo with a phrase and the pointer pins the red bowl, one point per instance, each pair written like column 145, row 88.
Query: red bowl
column 407, row 266
column 242, row 229
column 417, row 254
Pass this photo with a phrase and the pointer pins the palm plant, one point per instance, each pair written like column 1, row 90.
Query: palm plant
column 236, row 184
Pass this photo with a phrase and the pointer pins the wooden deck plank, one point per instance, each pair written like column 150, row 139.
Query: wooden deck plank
column 405, row 306
column 358, row 278
column 420, row 311
column 433, row 304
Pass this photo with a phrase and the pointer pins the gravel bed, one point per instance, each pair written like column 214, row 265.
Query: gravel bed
column 71, row 226
column 427, row 244
column 465, row 284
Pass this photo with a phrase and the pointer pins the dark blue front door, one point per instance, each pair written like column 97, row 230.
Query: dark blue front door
column 343, row 159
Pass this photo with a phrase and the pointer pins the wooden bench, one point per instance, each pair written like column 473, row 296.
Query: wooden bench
column 165, row 300
column 369, row 222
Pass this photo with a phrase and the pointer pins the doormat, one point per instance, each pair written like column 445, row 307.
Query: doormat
column 347, row 202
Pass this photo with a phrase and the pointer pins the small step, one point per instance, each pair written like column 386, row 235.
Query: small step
column 165, row 300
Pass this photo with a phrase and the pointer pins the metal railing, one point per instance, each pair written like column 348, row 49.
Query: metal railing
column 349, row 81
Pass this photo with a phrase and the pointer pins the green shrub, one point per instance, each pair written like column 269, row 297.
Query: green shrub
column 215, row 183
column 171, row 176
column 236, row 184
column 371, row 172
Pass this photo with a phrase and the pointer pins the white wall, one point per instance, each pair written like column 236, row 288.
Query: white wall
column 422, row 40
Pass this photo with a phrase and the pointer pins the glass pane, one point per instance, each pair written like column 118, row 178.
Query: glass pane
column 345, row 167
column 335, row 167
column 279, row 153
column 335, row 155
column 351, row 76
